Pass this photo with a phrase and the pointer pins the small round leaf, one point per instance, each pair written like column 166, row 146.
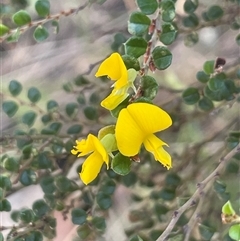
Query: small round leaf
column 21, row 18
column 191, row 39
column 29, row 118
column 74, row 129
column 11, row 164
column 147, row 7
column 79, row 216
column 135, row 46
column 191, row 96
column 104, row 200
column 28, row 177
column 90, row 112
column 205, row 104
column 99, row 223
column 40, row 208
column 121, row 164
column 149, row 87
column 214, row 12
column 3, row 29
column 234, row 232
column 10, row 108
column 202, row 77
column 15, row 87
column 71, row 109
column 42, row 7
column 191, row 21
column 34, row 95
column 168, row 10
column 52, row 104
column 40, row 33
column 5, row 206
column 208, row 66
column 162, row 57
column 168, row 34
column 5, row 183
column 190, row 6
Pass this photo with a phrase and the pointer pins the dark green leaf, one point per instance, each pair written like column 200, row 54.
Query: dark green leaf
column 94, row 98
column 90, row 112
column 129, row 179
column 34, row 236
column 42, row 7
column 172, row 180
column 26, row 215
column 42, row 161
column 162, row 57
column 208, row 66
column 168, row 10
column 191, row 39
column 5, row 206
column 83, row 231
column 81, row 99
column 206, row 232
column 191, row 21
column 29, row 118
column 40, row 208
column 11, row 164
column 47, row 131
column 232, row 167
column 55, row 127
column 149, row 87
column 147, row 7
column 219, row 186
column 108, row 187
column 15, row 87
column 138, row 23
column 232, row 142
column 52, row 105
column 74, row 129
column 168, row 34
column 81, row 80
column 131, row 62
column 191, row 96
column 104, row 200
column 135, row 46
column 119, row 39
column 47, row 185
column 5, row 183
column 68, row 87
column 3, row 29
column 15, row 216
column 214, row 12
column 215, row 83
column 79, row 216
column 99, row 223
column 190, row 6
column 63, row 184
column 40, row 33
column 167, row 194
column 10, row 108
column 46, row 118
column 202, row 76
column 21, row 18
column 205, row 104
column 28, row 177
column 160, row 210
column 34, row 95
column 121, row 164
column 71, row 109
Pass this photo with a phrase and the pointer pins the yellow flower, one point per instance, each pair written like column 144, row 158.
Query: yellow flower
column 116, row 70
column 92, row 165
column 136, row 125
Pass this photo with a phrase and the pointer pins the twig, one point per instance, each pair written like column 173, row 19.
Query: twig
column 43, row 21
column 200, row 187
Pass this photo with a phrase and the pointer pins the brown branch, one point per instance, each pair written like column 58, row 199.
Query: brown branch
column 197, row 194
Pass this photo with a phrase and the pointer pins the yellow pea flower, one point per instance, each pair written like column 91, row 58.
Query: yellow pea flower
column 136, row 125
column 116, row 70
column 98, row 156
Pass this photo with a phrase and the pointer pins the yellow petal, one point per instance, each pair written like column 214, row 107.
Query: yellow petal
column 155, row 146
column 149, row 118
column 113, row 100
column 128, row 134
column 84, row 147
column 115, row 69
column 91, row 167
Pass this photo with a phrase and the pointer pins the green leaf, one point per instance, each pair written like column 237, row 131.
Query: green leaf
column 5, row 183
column 99, row 223
column 104, row 200
column 213, row 95
column 216, row 83
column 149, row 87
column 160, row 210
column 94, row 98
column 191, row 96
column 147, row 7
column 190, row 6
column 74, row 129
column 42, row 161
column 29, row 118
column 26, row 215
column 205, row 104
column 34, row 236
column 81, row 80
column 79, row 216
column 3, row 30
column 167, row 194
column 119, row 39
column 219, row 186
column 90, row 112
column 121, row 164
column 214, row 12
column 28, row 177
column 40, row 208
column 47, row 185
column 234, row 232
column 202, row 77
column 238, row 39
column 55, row 127
column 42, row 7
column 5, row 206
column 81, row 99
column 135, row 46
column 71, row 109
column 15, row 87
column 191, row 21
column 162, row 57
column 129, row 179
column 172, row 180
column 168, row 10
column 10, row 108
column 46, row 118
column 108, row 187
column 40, row 33
column 21, row 18
column 14, row 36
column 83, row 231
column 138, row 23
column 15, row 216
column 191, row 39
column 168, row 34
column 131, row 62
column 11, row 164
column 34, row 94
column 63, row 184
column 52, row 105
column 208, row 66
column 68, row 87
column 206, row 232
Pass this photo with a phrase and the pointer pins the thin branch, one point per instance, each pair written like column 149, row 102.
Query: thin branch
column 197, row 194
column 43, row 21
